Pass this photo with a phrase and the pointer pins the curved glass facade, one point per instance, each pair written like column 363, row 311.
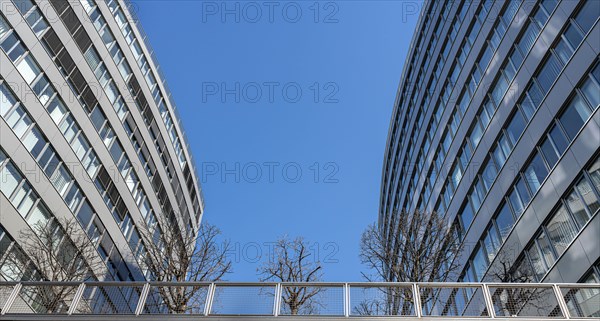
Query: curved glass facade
column 90, row 133
column 496, row 126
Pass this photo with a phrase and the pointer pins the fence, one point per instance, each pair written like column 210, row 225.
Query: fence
column 417, row 300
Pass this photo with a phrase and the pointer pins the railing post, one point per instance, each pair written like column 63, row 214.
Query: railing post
column 277, row 301
column 209, row 299
column 417, row 299
column 346, row 300
column 76, row 299
column 11, row 298
column 561, row 301
column 489, row 303
column 142, row 300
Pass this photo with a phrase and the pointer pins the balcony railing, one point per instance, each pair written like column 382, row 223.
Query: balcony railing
column 417, row 300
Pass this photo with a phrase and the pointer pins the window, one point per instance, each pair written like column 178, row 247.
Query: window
column 61, row 180
column 528, row 37
column 23, row 5
column 587, row 194
column 69, row 128
column 37, row 22
column 479, row 263
column 588, row 15
column 28, row 69
column 516, row 57
column 476, row 134
column 574, row 116
column 34, row 142
column 563, row 50
column 43, row 89
column 515, row 127
column 92, row 58
column 502, row 150
column 561, row 230
column 577, row 207
column 536, row 261
column 116, row 151
column 477, row 195
column 549, row 152
column 39, row 217
column 573, row 36
column 19, row 121
column 499, row 90
column 91, row 163
column 515, row 202
column 9, row 179
column 73, row 197
column 85, row 214
column 7, row 100
column 57, row 110
column 594, row 172
column 13, row 47
column 549, row 73
column 523, row 191
column 591, row 91
column 504, row 221
column 4, row 27
column 48, row 161
column 558, row 139
column 489, row 174
column 80, row 146
column 466, row 217
column 535, row 94
column 492, row 242
column 535, row 173
column 545, row 249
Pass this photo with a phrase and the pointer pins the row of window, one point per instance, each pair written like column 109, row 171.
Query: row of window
column 412, row 66
column 548, row 245
column 529, row 180
column 501, row 25
column 103, row 182
column 159, row 97
column 17, row 117
column 78, row 84
column 106, row 186
column 59, row 174
column 16, row 266
column 396, row 136
column 473, row 81
column 97, row 64
column 575, row 209
column 14, row 263
column 411, row 105
column 526, row 107
column 17, row 189
column 491, row 103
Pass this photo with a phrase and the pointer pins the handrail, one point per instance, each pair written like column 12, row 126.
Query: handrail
column 319, row 283
column 328, row 299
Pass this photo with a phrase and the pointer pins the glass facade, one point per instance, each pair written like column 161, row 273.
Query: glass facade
column 488, row 134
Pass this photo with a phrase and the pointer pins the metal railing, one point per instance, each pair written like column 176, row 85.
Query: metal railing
column 417, row 300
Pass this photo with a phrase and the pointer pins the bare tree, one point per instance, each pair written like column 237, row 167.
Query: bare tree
column 62, row 252
column 418, row 247
column 291, row 261
column 177, row 257
column 510, row 301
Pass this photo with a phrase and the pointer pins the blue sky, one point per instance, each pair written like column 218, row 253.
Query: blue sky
column 286, row 108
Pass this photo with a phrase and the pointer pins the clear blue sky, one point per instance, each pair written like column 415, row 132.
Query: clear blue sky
column 354, row 54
